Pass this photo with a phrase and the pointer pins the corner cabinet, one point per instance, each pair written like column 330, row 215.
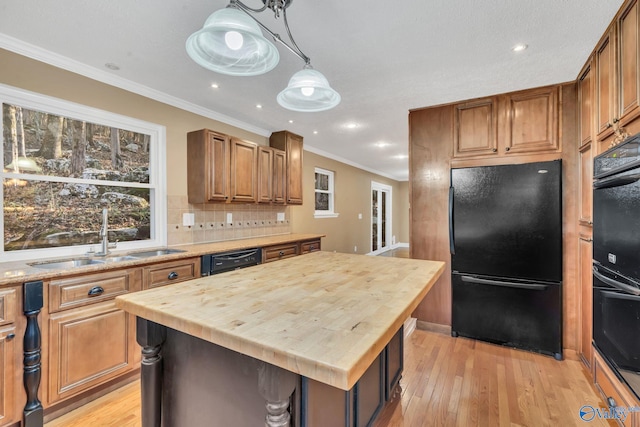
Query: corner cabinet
column 291, row 144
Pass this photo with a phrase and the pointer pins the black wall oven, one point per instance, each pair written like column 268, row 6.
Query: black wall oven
column 616, row 260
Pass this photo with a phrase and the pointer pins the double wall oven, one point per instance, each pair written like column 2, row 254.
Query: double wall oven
column 616, row 260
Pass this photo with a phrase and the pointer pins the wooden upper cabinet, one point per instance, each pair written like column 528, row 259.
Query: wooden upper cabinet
column 475, row 127
column 208, row 166
column 291, row 144
column 585, row 104
column 532, row 121
column 265, row 174
column 605, row 74
column 244, row 166
column 628, row 71
column 279, row 173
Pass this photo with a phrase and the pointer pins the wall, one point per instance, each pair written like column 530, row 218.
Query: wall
column 249, row 220
column 352, row 197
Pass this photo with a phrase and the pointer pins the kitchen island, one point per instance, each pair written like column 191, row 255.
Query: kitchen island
column 241, row 347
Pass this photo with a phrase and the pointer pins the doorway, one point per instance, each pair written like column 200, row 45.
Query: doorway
column 381, row 209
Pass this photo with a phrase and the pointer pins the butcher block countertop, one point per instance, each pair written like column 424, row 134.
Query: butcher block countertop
column 13, row 272
column 322, row 315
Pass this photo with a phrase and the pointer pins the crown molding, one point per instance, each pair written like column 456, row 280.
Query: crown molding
column 34, row 52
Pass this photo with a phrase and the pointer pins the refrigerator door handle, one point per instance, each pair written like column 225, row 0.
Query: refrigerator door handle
column 452, row 247
column 611, row 282
column 530, row 286
column 616, row 182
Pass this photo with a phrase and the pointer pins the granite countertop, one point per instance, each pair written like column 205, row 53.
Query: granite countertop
column 323, row 315
column 17, row 272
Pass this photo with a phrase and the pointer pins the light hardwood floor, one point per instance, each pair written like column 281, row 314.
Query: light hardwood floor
column 447, row 382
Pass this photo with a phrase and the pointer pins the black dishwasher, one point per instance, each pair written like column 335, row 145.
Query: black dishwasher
column 227, row 261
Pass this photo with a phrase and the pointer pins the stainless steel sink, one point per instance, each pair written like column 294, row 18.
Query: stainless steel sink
column 66, row 263
column 111, row 259
column 158, row 252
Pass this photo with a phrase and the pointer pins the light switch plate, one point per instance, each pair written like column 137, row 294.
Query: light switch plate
column 229, row 217
column 188, row 219
column 280, row 216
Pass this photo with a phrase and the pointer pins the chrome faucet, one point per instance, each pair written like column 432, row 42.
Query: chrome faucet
column 104, row 234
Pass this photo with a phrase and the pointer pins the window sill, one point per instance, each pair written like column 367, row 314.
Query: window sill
column 325, row 215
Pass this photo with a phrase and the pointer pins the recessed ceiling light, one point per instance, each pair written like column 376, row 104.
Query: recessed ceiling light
column 215, row 85
column 519, row 47
column 382, row 144
column 351, row 125
column 315, row 132
column 401, row 156
column 290, row 121
column 112, row 66
column 258, row 105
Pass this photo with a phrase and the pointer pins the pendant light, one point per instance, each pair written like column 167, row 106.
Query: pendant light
column 230, row 42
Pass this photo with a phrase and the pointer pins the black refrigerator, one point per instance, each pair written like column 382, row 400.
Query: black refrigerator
column 505, row 228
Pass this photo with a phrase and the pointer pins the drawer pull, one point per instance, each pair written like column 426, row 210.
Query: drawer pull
column 10, row 336
column 172, row 276
column 281, row 253
column 311, row 247
column 95, row 291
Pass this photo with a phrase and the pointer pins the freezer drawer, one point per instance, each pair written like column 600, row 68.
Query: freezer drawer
column 514, row 313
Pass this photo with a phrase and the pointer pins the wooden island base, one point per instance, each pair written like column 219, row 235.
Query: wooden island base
column 188, row 381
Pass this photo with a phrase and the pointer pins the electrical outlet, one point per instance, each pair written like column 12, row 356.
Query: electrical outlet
column 359, row 216
column 229, row 217
column 280, row 216
column 355, row 249
column 188, row 219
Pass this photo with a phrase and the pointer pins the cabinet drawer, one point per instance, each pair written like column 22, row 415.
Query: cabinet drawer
column 89, row 289
column 311, row 246
column 274, row 253
column 7, row 306
column 171, row 272
column 608, row 385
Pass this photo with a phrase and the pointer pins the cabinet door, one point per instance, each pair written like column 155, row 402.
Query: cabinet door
column 586, row 298
column 208, row 163
column 532, row 121
column 475, row 131
column 628, row 72
column 244, row 166
column 265, row 174
column 605, row 72
column 8, row 374
column 294, row 169
column 279, row 177
column 585, row 200
column 89, row 346
column 585, row 104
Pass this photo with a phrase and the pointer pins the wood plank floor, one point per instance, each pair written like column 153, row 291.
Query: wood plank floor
column 447, row 382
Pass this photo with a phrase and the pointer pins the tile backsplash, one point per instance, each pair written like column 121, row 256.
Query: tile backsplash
column 211, row 225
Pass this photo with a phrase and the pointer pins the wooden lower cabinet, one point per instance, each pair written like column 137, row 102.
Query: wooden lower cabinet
column 89, row 341
column 88, row 347
column 167, row 273
column 8, row 375
column 274, row 253
column 618, row 399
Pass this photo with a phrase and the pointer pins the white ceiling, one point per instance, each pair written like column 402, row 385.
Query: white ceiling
column 384, row 58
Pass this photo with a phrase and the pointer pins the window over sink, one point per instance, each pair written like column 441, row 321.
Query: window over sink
column 63, row 163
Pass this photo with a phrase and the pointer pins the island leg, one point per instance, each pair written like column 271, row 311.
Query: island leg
column 151, row 336
column 32, row 304
column 276, row 385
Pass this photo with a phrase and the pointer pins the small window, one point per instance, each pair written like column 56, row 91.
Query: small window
column 324, row 192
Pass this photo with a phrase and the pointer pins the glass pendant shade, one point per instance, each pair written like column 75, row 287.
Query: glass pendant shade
column 308, row 91
column 231, row 42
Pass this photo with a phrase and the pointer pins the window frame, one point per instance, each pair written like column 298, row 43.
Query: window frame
column 329, row 213
column 157, row 167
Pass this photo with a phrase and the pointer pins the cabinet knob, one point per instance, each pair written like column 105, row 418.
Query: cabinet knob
column 95, row 291
column 10, row 336
column 507, row 149
column 611, row 402
column 608, row 125
column 172, row 276
column 616, row 120
column 494, row 150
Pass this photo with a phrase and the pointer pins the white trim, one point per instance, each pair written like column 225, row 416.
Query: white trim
column 65, row 63
column 319, row 214
column 389, row 220
column 157, row 166
column 331, row 156
column 329, row 213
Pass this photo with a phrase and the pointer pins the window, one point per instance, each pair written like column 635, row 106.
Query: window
column 324, row 194
column 63, row 163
